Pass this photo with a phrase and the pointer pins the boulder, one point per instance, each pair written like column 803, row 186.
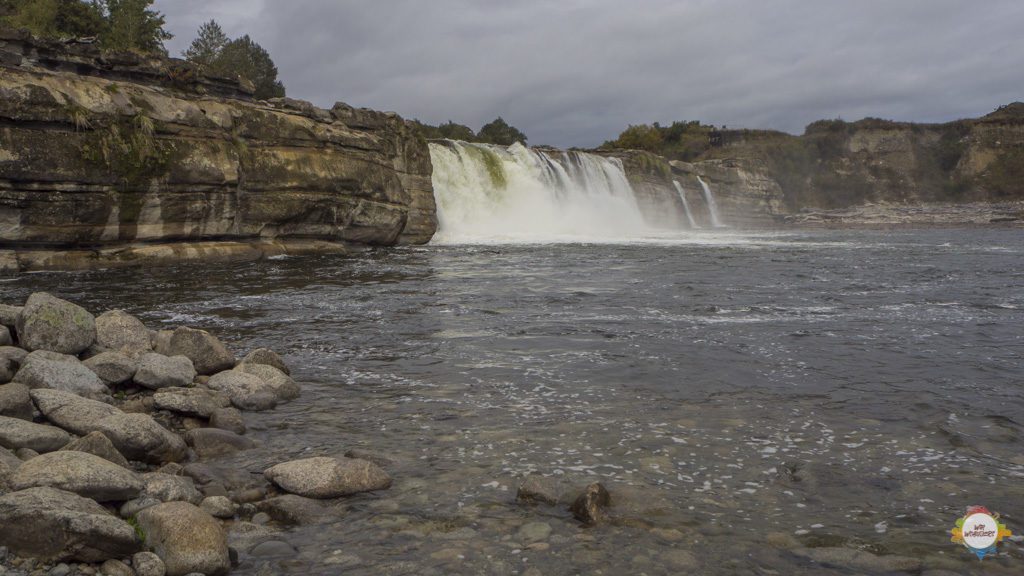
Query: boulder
column 9, row 315
column 53, row 526
column 328, row 477
column 5, row 337
column 157, row 371
column 14, row 354
column 219, row 507
column 228, row 419
column 206, row 352
column 15, row 401
column 81, row 473
column 49, row 323
column 268, row 357
column 284, row 387
column 209, row 442
column 16, row 433
column 186, row 538
column 70, row 411
column 141, row 438
column 7, row 370
column 148, row 564
column 169, row 488
column 48, row 370
column 116, row 568
column 121, row 332
column 191, row 401
column 8, row 464
column 112, row 367
column 247, row 392
column 97, row 444
column 589, row 506
column 540, row 489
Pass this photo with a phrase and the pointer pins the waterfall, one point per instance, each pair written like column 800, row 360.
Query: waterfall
column 491, row 193
column 686, row 205
column 716, row 222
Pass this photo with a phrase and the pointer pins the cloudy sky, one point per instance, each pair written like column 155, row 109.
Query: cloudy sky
column 576, row 72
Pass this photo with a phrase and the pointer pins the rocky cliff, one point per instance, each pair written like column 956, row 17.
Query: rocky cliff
column 115, row 153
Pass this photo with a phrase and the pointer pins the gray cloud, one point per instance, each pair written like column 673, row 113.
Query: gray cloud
column 576, row 72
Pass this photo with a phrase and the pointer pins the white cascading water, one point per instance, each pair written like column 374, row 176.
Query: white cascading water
column 716, row 222
column 686, row 205
column 488, row 194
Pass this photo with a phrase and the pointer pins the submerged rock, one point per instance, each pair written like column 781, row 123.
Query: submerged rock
column 859, row 560
column 292, row 510
column 268, row 357
column 206, row 352
column 542, row 489
column 228, row 419
column 328, row 477
column 54, row 525
column 187, row 539
column 16, row 434
column 209, row 442
column 81, row 473
column 589, row 506
column 49, row 323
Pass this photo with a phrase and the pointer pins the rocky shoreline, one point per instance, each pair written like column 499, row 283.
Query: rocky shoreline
column 917, row 215
column 110, row 435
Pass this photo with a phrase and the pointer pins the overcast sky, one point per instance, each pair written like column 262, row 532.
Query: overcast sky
column 576, row 72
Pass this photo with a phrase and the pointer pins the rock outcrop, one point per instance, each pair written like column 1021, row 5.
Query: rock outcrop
column 104, row 156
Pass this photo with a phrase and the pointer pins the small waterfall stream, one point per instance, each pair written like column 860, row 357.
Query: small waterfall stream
column 686, row 205
column 709, row 197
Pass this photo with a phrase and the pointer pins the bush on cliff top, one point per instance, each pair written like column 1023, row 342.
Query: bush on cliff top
column 117, row 24
column 219, row 55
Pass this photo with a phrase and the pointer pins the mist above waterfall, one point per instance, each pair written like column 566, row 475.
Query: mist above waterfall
column 488, row 194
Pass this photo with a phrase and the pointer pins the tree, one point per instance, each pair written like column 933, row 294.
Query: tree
column 245, row 58
column 208, row 44
column 134, row 26
column 499, row 132
column 54, row 18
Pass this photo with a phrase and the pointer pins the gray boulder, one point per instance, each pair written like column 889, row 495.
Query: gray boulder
column 168, row 488
column 228, row 419
column 14, row 354
column 9, row 315
column 268, row 357
column 219, row 507
column 119, row 331
column 49, row 323
column 72, row 412
column 148, row 564
column 78, row 472
column 112, row 367
column 198, row 402
column 209, row 442
column 206, row 352
column 5, row 337
column 541, row 489
column 8, row 464
column 56, row 526
column 328, row 477
column 15, row 401
column 16, row 434
column 141, row 438
column 7, row 370
column 157, row 371
column 116, row 568
column 48, row 370
column 97, row 444
column 284, row 387
column 186, row 538
column 247, row 392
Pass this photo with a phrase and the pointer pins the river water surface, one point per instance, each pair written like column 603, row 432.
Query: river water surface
column 740, row 395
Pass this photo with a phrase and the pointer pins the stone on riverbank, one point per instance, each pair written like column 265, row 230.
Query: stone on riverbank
column 186, row 538
column 49, row 370
column 247, row 392
column 15, row 401
column 228, row 418
column 97, row 444
column 16, row 434
column 75, row 528
column 112, row 367
column 7, row 370
column 268, row 357
column 207, row 353
column 148, row 564
column 5, row 337
column 70, row 411
column 589, row 506
column 119, row 331
column 219, row 507
column 210, row 442
column 324, row 478
column 168, row 488
column 9, row 315
column 49, row 323
column 141, row 438
column 15, row 355
column 191, row 401
column 157, row 371
column 282, row 385
column 81, row 473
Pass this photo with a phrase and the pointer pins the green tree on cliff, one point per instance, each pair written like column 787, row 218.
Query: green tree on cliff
column 55, row 18
column 134, row 26
column 219, row 55
column 208, row 44
column 499, row 132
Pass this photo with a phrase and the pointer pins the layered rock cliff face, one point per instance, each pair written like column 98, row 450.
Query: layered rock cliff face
column 102, row 151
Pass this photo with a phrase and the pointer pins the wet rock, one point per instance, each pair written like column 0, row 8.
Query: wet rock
column 78, row 472
column 191, row 401
column 228, row 419
column 116, row 568
column 533, row 532
column 98, row 444
column 377, row 458
column 268, row 357
column 589, row 506
column 168, row 488
column 70, row 411
column 207, row 353
column 219, row 507
column 272, row 548
column 682, row 560
column 5, row 337
column 157, row 371
column 49, row 323
column 16, row 433
column 247, row 392
column 119, row 331
column 283, row 386
column 186, row 538
column 148, row 564
column 53, row 525
column 292, row 510
column 141, row 438
column 859, row 560
column 47, row 370
column 536, row 488
column 15, row 401
column 209, row 442
column 112, row 367
column 328, row 477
